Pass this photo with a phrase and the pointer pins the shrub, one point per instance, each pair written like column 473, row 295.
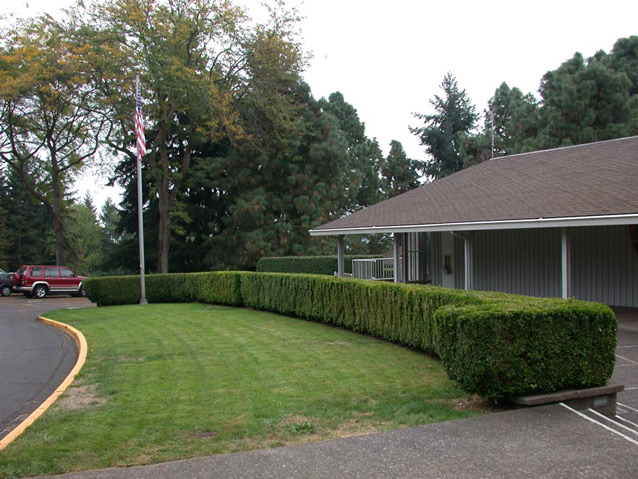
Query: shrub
column 518, row 347
column 326, row 265
column 494, row 344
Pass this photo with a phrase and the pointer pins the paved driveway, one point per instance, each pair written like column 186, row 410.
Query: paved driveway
column 34, row 357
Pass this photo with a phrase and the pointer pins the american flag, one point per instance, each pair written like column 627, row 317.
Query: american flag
column 139, row 123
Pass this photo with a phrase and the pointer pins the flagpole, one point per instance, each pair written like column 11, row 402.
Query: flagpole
column 139, row 133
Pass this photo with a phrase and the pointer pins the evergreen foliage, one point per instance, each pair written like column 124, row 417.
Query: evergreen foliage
column 582, row 101
column 243, row 160
column 398, row 172
column 444, row 131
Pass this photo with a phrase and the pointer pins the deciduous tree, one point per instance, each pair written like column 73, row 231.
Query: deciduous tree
column 197, row 59
column 50, row 124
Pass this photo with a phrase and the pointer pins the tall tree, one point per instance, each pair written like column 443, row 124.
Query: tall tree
column 585, row 101
column 442, row 134
column 398, row 172
column 49, row 123
column 624, row 59
column 363, row 155
column 196, row 60
column 85, row 235
column 516, row 120
column 30, row 240
column 511, row 125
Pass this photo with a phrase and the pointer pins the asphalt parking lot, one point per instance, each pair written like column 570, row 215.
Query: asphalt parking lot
column 626, row 371
column 35, row 357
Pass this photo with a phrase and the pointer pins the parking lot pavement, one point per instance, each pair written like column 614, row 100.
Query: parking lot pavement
column 626, row 371
column 35, row 357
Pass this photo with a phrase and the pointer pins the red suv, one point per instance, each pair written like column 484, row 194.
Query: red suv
column 38, row 281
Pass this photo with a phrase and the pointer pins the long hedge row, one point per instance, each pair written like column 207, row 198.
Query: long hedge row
column 495, row 345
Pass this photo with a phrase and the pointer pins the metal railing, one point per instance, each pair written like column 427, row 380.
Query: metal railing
column 377, row 269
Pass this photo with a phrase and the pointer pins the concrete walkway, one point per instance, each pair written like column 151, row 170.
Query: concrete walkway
column 546, row 442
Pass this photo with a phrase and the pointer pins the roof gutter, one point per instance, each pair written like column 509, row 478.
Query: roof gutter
column 567, row 222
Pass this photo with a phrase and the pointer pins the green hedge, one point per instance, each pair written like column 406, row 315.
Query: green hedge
column 495, row 345
column 305, row 264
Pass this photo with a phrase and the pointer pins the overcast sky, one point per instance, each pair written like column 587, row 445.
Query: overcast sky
column 388, row 58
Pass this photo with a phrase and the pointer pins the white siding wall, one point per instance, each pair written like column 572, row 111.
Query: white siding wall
column 604, row 265
column 518, row 261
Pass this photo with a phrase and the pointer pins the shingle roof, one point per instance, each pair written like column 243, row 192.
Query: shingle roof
column 592, row 180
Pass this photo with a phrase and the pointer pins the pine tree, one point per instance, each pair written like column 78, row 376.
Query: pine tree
column 398, row 172
column 444, row 131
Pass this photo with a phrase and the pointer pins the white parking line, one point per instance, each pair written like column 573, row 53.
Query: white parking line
column 631, row 346
column 627, row 421
column 633, row 441
column 628, row 407
column 615, row 422
column 621, row 357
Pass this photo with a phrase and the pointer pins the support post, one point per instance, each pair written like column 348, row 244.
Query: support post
column 565, row 273
column 397, row 253
column 341, row 247
column 467, row 242
column 395, row 257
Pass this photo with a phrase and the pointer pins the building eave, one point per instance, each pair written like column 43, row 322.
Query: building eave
column 578, row 221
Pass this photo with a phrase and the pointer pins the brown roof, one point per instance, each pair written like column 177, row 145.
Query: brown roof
column 592, row 180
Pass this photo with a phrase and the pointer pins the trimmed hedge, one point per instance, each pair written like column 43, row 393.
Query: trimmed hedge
column 306, row 264
column 495, row 345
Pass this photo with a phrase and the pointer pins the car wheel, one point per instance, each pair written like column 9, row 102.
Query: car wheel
column 5, row 290
column 39, row 292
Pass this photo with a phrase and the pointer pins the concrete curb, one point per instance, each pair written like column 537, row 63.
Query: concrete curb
column 82, row 350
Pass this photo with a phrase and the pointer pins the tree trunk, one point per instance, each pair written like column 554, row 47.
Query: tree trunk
column 167, row 195
column 164, row 231
column 58, row 229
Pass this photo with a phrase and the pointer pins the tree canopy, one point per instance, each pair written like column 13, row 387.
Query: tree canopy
column 242, row 159
column 444, row 130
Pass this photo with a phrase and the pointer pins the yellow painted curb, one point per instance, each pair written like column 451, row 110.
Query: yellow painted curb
column 82, row 349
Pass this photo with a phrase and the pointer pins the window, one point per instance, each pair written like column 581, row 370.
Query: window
column 66, row 273
column 51, row 273
column 36, row 272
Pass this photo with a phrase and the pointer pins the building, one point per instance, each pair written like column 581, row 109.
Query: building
column 555, row 223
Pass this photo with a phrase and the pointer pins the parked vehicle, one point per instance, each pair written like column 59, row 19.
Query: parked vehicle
column 6, row 283
column 38, row 281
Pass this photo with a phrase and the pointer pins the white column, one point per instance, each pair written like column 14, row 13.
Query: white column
column 341, row 247
column 565, row 273
column 398, row 263
column 467, row 242
column 395, row 256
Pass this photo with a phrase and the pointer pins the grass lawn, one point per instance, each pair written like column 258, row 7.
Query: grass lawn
column 172, row 381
